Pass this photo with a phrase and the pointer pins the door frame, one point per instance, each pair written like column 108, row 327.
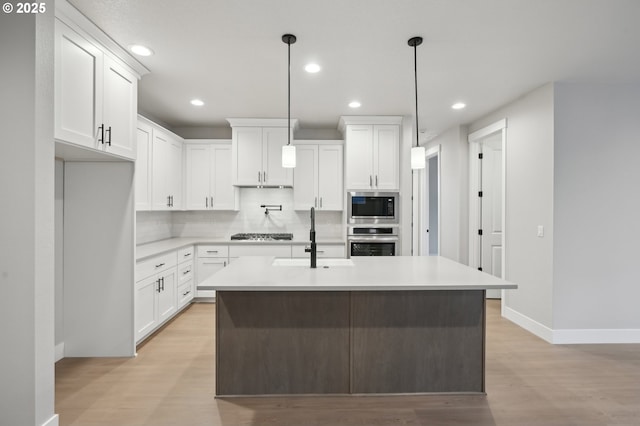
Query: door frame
column 420, row 197
column 475, row 246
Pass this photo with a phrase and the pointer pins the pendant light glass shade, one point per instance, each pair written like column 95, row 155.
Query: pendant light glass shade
column 418, row 157
column 289, row 151
column 288, row 156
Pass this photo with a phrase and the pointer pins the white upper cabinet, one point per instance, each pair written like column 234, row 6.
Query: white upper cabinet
column 95, row 96
column 372, row 152
column 317, row 177
column 166, row 175
column 144, row 141
column 257, row 152
column 208, row 176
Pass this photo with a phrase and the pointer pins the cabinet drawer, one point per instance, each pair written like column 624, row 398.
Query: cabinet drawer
column 218, row 250
column 185, row 254
column 324, row 250
column 279, row 250
column 185, row 272
column 185, row 293
column 159, row 263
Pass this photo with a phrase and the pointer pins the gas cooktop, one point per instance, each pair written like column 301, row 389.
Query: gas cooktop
column 262, row 237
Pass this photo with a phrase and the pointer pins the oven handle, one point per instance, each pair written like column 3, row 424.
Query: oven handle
column 372, row 239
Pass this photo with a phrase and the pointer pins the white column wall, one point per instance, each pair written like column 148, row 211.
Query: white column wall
column 529, row 203
column 27, row 228
column 597, row 179
column 454, row 193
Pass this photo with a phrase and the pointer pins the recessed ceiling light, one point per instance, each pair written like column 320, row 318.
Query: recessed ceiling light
column 354, row 104
column 141, row 50
column 458, row 105
column 196, row 102
column 312, row 68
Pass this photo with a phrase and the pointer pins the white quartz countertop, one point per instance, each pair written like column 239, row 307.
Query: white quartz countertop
column 367, row 273
column 144, row 251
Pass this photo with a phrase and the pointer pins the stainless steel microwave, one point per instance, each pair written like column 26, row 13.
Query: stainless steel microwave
column 373, row 208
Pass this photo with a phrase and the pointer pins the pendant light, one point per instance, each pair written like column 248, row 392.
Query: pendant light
column 289, row 151
column 418, row 153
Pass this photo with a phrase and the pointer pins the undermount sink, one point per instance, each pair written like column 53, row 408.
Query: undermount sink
column 321, row 263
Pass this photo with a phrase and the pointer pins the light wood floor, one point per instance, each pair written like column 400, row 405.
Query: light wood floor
column 528, row 381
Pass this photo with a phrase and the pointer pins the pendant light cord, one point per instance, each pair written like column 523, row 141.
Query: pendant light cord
column 415, row 79
column 289, row 93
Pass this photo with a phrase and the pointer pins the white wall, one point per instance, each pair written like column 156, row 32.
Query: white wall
column 454, row 193
column 59, row 248
column 27, row 228
column 251, row 218
column 529, row 203
column 597, row 228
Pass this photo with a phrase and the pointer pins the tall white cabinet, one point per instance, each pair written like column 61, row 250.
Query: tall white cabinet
column 318, row 176
column 372, row 147
column 257, row 152
column 95, row 95
column 208, row 176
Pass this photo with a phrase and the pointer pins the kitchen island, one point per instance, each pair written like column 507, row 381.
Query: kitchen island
column 366, row 325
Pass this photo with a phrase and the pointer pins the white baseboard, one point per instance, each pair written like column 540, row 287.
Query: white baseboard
column 540, row 330
column 53, row 421
column 572, row 336
column 59, row 351
column 585, row 336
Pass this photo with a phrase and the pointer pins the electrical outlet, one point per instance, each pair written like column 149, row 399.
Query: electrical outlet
column 540, row 231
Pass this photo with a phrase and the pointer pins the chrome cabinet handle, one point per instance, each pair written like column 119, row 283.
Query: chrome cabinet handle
column 187, row 254
column 109, row 132
column 162, row 280
column 211, row 201
column 315, row 203
column 264, row 175
column 320, row 202
column 168, row 200
column 101, row 130
column 186, row 272
column 224, row 263
column 206, row 202
column 376, row 180
column 212, row 251
column 162, row 264
column 370, row 180
column 158, row 281
column 184, row 294
column 259, row 177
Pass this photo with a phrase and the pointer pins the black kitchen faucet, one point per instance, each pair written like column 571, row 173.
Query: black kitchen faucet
column 312, row 237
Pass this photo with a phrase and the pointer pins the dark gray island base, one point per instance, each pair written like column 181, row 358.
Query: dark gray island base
column 349, row 342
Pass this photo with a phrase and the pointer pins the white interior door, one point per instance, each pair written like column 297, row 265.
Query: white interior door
column 491, row 207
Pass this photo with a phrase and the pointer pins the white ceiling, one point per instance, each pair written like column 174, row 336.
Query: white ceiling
column 229, row 53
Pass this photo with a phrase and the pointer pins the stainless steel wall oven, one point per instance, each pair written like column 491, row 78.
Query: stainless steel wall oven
column 373, row 241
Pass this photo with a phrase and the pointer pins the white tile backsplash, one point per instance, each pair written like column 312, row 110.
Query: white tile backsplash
column 250, row 218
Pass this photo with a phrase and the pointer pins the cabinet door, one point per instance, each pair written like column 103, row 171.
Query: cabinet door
column 167, row 297
column 175, row 173
column 305, row 177
column 273, row 139
column 160, row 165
column 199, row 177
column 223, row 192
column 143, row 167
column 247, row 156
column 330, row 187
column 78, row 88
column 359, row 164
column 386, row 142
column 120, row 109
column 146, row 306
column 209, row 266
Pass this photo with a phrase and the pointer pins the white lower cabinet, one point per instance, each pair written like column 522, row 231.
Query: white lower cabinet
column 186, row 290
column 211, row 259
column 156, row 297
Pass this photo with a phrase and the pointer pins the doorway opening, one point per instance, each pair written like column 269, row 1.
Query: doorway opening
column 487, row 250
column 427, row 207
